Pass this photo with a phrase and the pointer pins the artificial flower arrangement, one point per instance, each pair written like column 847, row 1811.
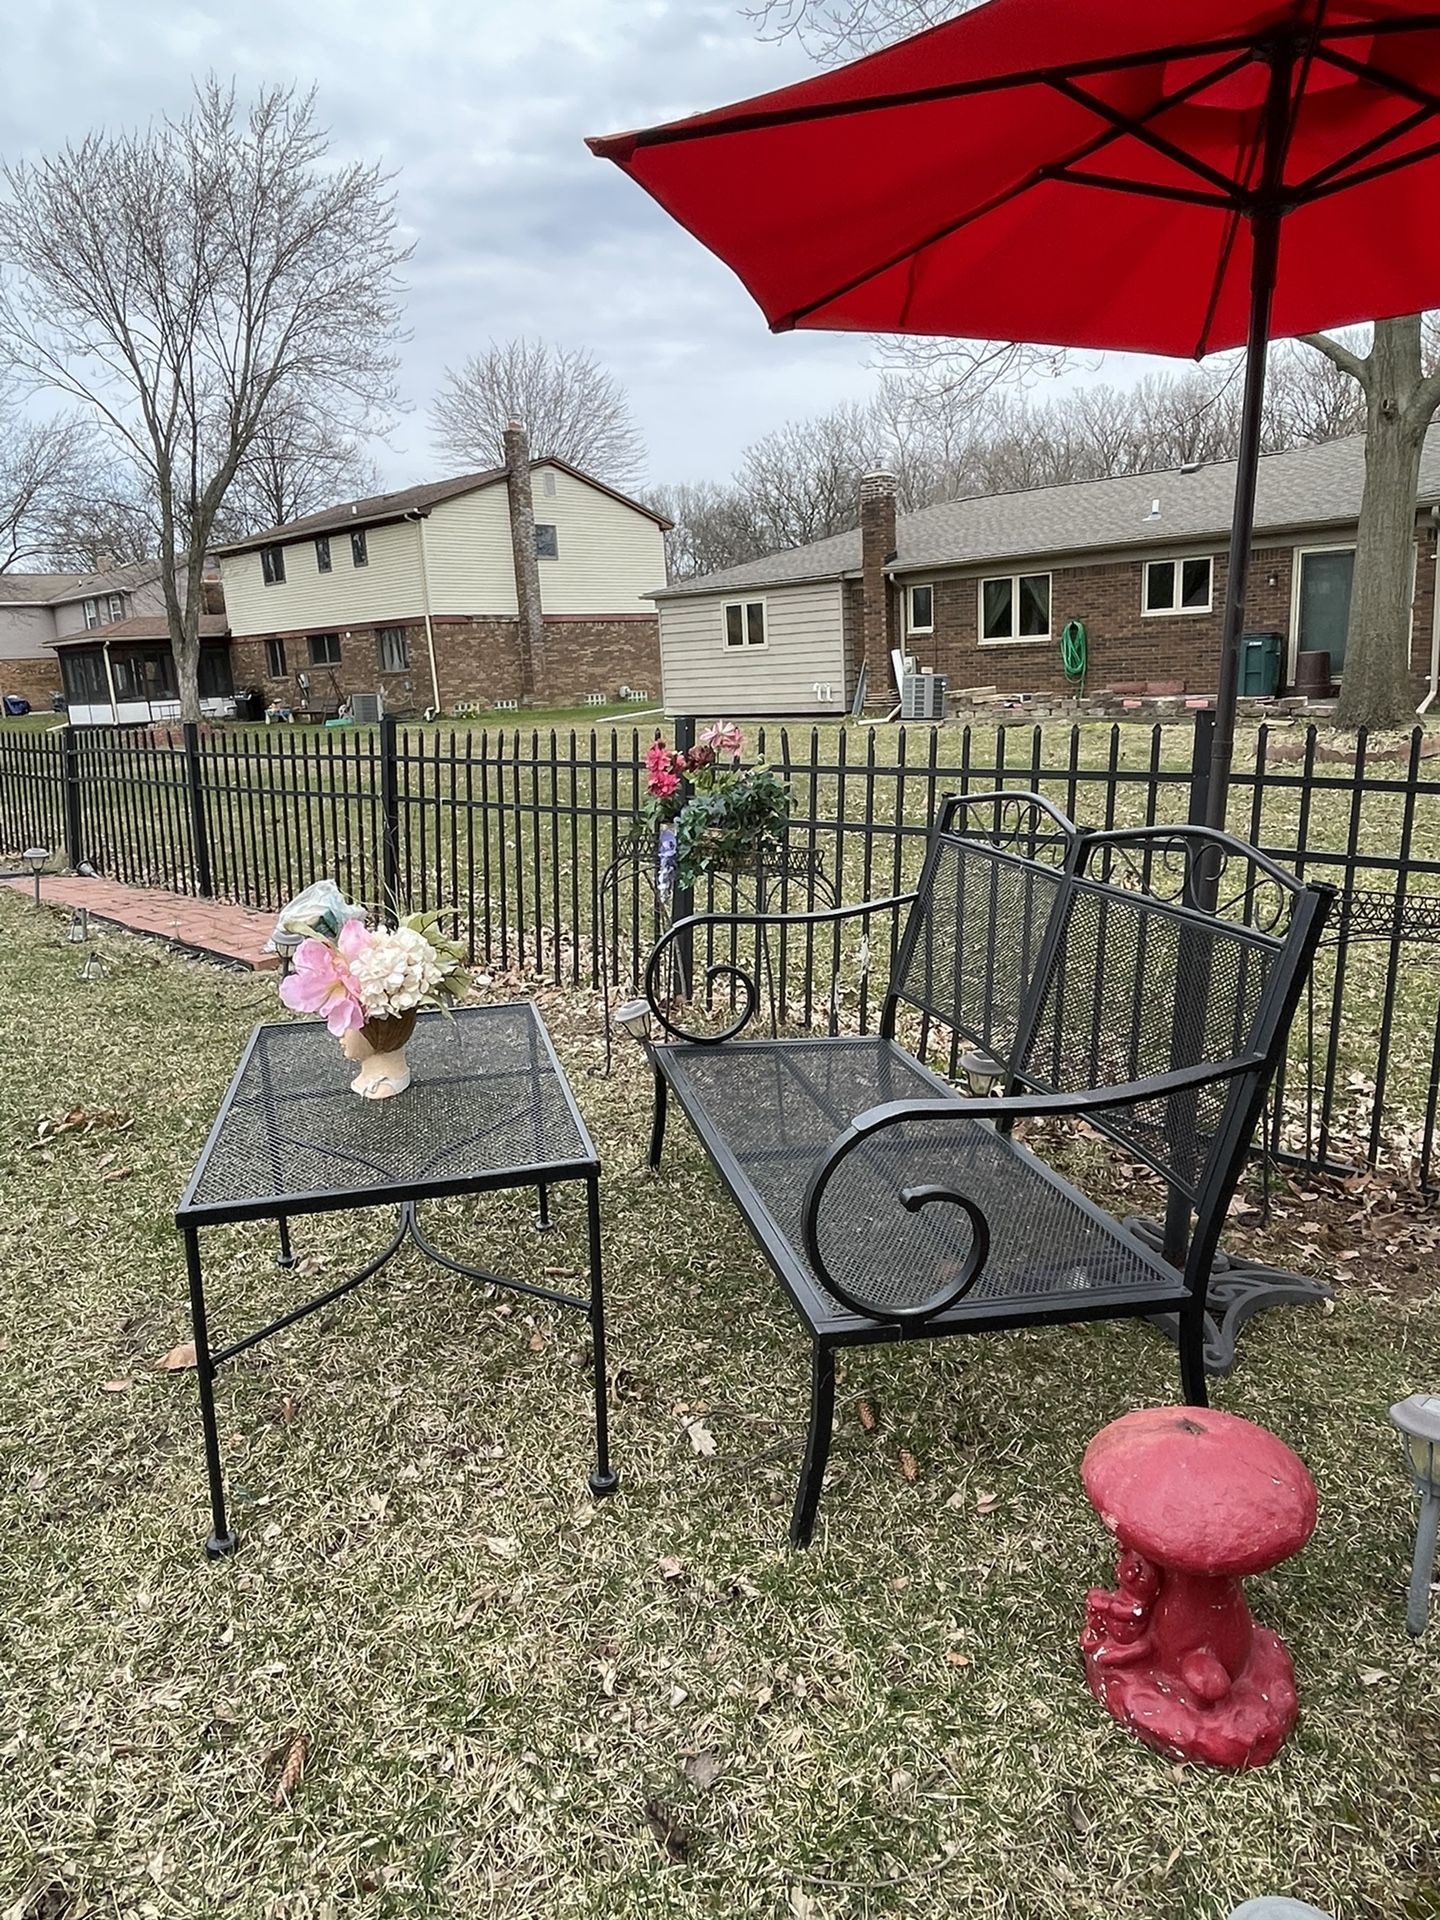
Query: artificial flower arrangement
column 709, row 810
column 369, row 983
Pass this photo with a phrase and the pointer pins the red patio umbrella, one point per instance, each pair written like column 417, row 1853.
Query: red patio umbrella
column 1169, row 178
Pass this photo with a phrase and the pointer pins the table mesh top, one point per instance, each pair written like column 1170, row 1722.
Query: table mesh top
column 485, row 1098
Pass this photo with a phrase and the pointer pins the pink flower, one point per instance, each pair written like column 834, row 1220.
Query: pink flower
column 321, row 983
column 723, row 737
column 662, row 783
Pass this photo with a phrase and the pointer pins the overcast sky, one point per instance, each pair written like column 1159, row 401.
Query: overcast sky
column 481, row 106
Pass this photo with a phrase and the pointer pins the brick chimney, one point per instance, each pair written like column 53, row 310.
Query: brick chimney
column 877, row 550
column 530, row 625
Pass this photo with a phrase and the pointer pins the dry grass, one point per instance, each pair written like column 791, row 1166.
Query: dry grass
column 518, row 1703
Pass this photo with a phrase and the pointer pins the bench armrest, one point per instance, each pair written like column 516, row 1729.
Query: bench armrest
column 748, row 988
column 874, row 1120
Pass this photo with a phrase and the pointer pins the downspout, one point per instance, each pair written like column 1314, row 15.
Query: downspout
column 420, row 519
column 1434, row 686
column 110, row 682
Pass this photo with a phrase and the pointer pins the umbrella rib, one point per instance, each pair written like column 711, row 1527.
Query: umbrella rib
column 1375, row 172
column 1094, row 145
column 1188, row 196
column 760, row 120
column 1391, row 82
column 1128, row 124
column 1323, row 175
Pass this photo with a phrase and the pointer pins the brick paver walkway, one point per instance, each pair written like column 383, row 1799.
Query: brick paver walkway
column 227, row 933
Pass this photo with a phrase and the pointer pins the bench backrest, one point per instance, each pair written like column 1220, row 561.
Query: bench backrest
column 1078, row 960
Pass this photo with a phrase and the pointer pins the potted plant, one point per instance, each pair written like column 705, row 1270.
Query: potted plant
column 709, row 811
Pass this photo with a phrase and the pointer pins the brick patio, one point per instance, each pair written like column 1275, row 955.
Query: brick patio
column 232, row 934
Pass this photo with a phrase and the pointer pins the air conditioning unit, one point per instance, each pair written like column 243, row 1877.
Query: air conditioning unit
column 367, row 709
column 922, row 696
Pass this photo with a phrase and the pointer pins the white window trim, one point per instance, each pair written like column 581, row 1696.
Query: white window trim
column 745, row 600
column 275, row 546
column 910, row 626
column 1148, row 612
column 1015, row 639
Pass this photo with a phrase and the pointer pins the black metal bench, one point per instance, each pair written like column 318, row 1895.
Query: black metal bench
column 1143, row 980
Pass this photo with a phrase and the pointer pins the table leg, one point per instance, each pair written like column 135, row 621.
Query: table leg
column 602, row 1481
column 543, row 1221
column 285, row 1258
column 221, row 1540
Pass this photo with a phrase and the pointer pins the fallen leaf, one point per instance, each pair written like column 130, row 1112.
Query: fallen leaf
column 909, row 1466
column 702, row 1769
column 291, row 1770
column 701, row 1438
column 501, row 1546
column 117, row 1386
column 537, row 1341
column 865, row 1413
column 678, row 1696
column 1372, row 1676
column 954, row 1658
column 986, row 1502
column 177, row 1359
column 670, row 1567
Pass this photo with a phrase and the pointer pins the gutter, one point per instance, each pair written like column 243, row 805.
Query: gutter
column 1434, row 674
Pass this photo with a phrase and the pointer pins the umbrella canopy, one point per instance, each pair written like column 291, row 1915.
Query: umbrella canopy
column 1117, row 174
column 1080, row 175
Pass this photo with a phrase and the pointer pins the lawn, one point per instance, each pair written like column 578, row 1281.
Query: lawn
column 520, row 1703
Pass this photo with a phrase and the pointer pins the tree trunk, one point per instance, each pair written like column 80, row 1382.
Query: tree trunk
column 1377, row 689
column 182, row 614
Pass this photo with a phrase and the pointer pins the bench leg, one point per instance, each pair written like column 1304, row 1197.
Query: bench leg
column 657, row 1125
column 1190, row 1338
column 817, row 1445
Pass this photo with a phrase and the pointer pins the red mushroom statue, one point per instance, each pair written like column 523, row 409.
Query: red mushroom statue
column 1197, row 1500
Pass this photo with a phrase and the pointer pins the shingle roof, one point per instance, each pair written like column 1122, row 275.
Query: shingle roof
column 382, row 507
column 1313, row 486
column 42, row 589
column 143, row 626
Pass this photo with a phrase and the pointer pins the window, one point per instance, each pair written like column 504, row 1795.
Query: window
column 922, row 610
column 1178, row 586
column 92, row 613
column 547, row 542
column 84, row 677
column 144, row 676
column 324, row 649
column 359, row 552
column 745, row 623
column 1015, row 607
column 272, row 566
column 394, row 649
column 275, row 658
column 115, row 606
column 547, row 482
column 322, row 554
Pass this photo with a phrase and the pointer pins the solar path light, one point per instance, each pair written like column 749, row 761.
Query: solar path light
column 1418, row 1419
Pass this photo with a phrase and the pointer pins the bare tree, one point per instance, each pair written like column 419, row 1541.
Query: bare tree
column 44, row 467
column 1400, row 397
column 188, row 284
column 831, row 30
column 712, row 526
column 108, row 520
column 567, row 403
column 296, row 464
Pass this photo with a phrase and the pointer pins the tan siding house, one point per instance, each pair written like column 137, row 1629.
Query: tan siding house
column 419, row 599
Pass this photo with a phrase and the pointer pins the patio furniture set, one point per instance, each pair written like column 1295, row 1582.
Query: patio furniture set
column 1142, row 981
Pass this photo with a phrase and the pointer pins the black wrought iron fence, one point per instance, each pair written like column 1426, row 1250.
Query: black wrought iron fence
column 528, row 836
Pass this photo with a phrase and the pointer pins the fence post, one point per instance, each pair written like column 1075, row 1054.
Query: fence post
column 1202, row 743
column 683, row 899
column 389, row 817
column 199, row 825
column 70, row 797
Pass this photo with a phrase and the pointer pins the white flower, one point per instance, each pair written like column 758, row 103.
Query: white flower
column 396, row 972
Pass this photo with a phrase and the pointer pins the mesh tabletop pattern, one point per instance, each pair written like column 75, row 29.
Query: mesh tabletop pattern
column 778, row 1107
column 486, row 1099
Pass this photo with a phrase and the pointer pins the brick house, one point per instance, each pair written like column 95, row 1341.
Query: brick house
column 39, row 609
column 526, row 581
column 981, row 589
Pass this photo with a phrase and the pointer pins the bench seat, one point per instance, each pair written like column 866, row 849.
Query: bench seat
column 768, row 1114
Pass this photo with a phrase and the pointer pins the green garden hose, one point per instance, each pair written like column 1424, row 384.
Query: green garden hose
column 1074, row 654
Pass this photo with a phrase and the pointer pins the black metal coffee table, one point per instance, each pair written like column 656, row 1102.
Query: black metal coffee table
column 488, row 1108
